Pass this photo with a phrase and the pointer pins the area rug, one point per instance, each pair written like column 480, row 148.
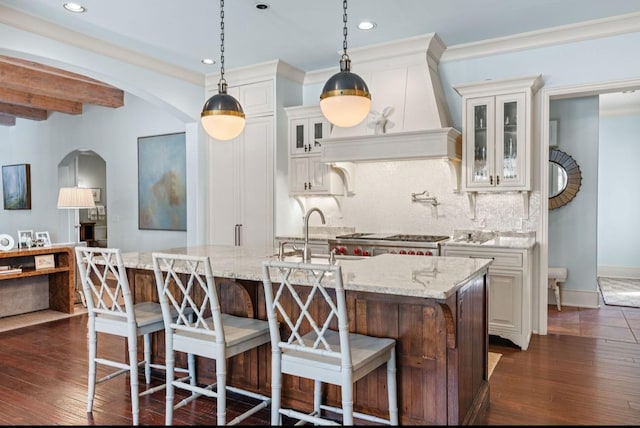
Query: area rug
column 494, row 357
column 620, row 291
column 33, row 318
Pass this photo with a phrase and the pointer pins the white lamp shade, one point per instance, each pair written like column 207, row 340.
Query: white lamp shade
column 222, row 126
column 75, row 197
column 345, row 110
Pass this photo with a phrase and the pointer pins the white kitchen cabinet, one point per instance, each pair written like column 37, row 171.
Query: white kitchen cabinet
column 307, row 125
column 510, row 278
column 256, row 98
column 497, row 122
column 241, row 181
column 308, row 174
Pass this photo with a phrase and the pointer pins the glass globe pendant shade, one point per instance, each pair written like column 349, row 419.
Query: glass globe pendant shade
column 345, row 100
column 222, row 116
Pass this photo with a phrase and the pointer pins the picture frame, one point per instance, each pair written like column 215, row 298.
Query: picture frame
column 46, row 239
column 162, row 182
column 25, row 238
column 95, row 192
column 553, row 133
column 16, row 186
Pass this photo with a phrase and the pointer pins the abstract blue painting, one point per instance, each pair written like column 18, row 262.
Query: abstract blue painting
column 16, row 186
column 162, row 182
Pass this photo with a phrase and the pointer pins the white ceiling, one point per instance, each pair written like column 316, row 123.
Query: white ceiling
column 308, row 34
column 304, row 33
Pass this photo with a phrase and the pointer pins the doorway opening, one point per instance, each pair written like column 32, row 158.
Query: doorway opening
column 548, row 95
column 85, row 168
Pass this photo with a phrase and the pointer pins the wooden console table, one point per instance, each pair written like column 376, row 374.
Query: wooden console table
column 62, row 277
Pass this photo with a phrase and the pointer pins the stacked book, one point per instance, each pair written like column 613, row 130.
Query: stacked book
column 9, row 269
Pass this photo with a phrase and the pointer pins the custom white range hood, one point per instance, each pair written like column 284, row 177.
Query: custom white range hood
column 409, row 118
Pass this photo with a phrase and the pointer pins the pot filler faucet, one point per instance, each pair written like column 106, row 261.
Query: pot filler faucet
column 306, row 253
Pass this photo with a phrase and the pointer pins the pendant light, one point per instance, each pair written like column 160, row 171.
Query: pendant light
column 222, row 115
column 345, row 100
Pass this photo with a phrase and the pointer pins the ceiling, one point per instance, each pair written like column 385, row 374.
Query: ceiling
column 307, row 34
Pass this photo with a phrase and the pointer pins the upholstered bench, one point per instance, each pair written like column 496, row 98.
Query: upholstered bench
column 557, row 275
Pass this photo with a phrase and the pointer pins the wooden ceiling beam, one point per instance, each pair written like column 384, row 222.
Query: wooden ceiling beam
column 59, row 85
column 7, row 120
column 23, row 112
column 26, row 99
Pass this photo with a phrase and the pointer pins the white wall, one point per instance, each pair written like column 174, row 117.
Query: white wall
column 618, row 203
column 573, row 227
column 176, row 98
column 112, row 134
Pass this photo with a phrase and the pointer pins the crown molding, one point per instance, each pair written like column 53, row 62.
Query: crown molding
column 597, row 28
column 581, row 31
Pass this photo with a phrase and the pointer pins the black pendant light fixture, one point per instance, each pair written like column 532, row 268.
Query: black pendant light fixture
column 222, row 115
column 345, row 100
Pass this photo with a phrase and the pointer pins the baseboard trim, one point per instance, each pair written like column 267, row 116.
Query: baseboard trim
column 576, row 298
column 619, row 271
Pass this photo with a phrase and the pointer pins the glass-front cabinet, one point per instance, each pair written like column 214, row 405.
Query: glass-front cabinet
column 497, row 117
column 308, row 175
column 493, row 157
column 305, row 133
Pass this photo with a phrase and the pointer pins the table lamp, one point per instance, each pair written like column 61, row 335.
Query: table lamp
column 75, row 198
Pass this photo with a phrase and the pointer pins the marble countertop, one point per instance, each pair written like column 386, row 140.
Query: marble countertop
column 488, row 239
column 402, row 275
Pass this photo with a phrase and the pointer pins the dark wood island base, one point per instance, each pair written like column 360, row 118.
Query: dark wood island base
column 442, row 350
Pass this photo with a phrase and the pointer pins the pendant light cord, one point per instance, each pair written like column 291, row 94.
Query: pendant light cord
column 222, row 84
column 344, row 30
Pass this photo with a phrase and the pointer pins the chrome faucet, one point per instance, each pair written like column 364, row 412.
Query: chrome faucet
column 306, row 253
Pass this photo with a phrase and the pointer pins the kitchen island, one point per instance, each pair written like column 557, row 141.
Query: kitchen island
column 435, row 307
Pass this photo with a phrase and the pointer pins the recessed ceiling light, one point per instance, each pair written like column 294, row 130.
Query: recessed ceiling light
column 367, row 25
column 75, row 7
column 262, row 6
column 208, row 61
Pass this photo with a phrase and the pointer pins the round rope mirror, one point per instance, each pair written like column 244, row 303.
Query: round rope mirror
column 565, row 178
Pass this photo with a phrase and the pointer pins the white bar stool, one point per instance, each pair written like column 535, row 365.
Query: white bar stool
column 112, row 311
column 310, row 339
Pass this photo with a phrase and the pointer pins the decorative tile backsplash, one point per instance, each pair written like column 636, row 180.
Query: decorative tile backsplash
column 382, row 202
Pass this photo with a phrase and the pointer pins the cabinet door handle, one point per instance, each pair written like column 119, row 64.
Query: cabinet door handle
column 491, row 180
column 497, row 180
column 238, row 228
column 309, row 185
column 305, row 185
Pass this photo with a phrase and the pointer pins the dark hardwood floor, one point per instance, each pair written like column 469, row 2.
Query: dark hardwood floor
column 575, row 375
column 585, row 371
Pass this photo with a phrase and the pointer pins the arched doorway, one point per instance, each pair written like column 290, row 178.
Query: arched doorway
column 85, row 168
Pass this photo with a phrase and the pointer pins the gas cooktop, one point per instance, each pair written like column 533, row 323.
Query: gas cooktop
column 394, row 237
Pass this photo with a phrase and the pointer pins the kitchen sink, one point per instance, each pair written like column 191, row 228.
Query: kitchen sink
column 476, row 241
column 474, row 237
column 321, row 259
